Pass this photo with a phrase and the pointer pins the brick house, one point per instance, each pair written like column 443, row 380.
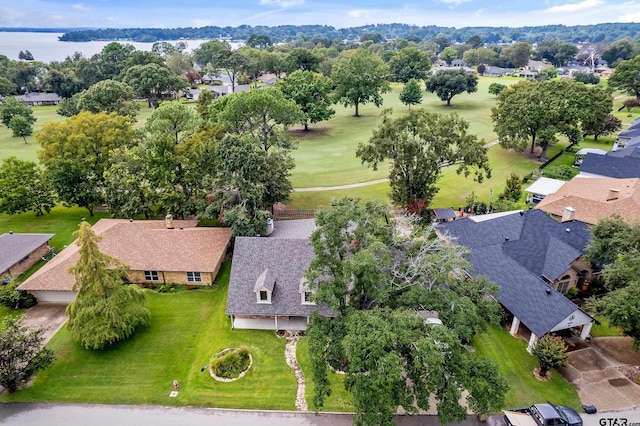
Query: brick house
column 19, row 252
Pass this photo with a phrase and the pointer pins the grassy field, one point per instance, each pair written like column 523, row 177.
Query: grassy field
column 516, row 364
column 186, row 329
column 604, row 329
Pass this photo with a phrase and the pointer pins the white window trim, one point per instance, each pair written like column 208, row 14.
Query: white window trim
column 258, row 300
column 302, row 296
column 151, row 276
column 194, row 277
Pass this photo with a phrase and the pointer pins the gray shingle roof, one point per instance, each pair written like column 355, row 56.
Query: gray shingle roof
column 444, row 213
column 606, row 165
column 536, row 245
column 15, row 247
column 287, row 260
column 297, row 229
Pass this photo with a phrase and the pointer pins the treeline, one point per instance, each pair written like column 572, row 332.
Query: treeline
column 574, row 34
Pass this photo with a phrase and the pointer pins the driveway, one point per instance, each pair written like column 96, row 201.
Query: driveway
column 594, row 372
column 48, row 316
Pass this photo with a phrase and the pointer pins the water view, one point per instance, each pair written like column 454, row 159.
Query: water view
column 46, row 47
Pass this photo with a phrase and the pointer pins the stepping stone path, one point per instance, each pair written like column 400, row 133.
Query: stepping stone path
column 290, row 355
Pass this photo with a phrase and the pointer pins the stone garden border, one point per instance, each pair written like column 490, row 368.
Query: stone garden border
column 224, row 379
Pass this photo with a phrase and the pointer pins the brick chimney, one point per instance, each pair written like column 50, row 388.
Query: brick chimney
column 613, row 194
column 568, row 214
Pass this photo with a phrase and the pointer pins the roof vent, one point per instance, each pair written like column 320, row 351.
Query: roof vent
column 130, row 220
column 548, row 291
column 506, row 238
column 168, row 220
column 613, row 194
column 568, row 229
column 10, row 232
column 568, row 214
column 521, row 212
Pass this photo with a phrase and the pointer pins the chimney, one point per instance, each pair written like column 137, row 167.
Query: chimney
column 568, row 214
column 269, row 226
column 613, row 194
column 168, row 220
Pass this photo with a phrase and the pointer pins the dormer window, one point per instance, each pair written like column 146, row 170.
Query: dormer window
column 306, row 294
column 264, row 286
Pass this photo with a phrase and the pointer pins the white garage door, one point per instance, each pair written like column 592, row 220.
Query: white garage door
column 55, row 296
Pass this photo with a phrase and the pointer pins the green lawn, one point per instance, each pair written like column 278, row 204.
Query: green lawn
column 61, row 221
column 340, row 399
column 186, row 329
column 604, row 329
column 326, row 154
column 9, row 313
column 517, row 365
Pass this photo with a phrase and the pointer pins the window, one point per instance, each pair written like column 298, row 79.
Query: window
column 307, row 298
column 151, row 275
column 264, row 296
column 563, row 284
column 194, row 277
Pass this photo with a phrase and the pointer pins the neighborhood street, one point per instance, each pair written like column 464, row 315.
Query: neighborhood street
column 122, row 415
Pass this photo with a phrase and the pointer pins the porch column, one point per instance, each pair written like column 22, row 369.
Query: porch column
column 532, row 342
column 586, row 329
column 515, row 325
column 276, row 317
column 232, row 321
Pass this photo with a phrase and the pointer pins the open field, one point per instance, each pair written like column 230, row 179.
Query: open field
column 516, row 364
column 186, row 329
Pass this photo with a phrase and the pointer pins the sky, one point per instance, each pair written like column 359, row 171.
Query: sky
column 337, row 13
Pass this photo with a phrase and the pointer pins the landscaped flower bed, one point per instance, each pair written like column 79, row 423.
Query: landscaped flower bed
column 230, row 364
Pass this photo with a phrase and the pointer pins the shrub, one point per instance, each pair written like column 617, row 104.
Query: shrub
column 572, row 293
column 231, row 363
column 560, row 172
column 15, row 299
column 167, row 288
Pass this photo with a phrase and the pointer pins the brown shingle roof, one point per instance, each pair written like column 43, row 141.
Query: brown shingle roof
column 142, row 245
column 589, row 197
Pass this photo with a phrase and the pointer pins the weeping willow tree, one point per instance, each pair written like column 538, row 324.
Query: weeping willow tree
column 105, row 310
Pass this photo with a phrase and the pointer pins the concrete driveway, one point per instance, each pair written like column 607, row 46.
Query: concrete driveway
column 593, row 372
column 48, row 316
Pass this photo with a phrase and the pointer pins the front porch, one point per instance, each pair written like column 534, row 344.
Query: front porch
column 270, row 323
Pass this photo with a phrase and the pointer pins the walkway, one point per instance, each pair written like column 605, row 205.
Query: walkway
column 292, row 361
column 361, row 184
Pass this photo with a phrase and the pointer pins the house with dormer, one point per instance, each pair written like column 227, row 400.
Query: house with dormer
column 267, row 286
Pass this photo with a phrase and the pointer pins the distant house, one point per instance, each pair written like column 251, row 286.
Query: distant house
column 527, row 73
column 542, row 187
column 591, row 200
column 457, row 67
column 270, row 79
column 39, row 99
column 626, row 137
column 19, row 252
column 156, row 252
column 444, row 214
column 219, row 91
column 267, row 288
column 534, row 260
column 492, row 71
column 536, row 65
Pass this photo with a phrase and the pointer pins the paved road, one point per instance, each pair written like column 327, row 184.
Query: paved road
column 108, row 415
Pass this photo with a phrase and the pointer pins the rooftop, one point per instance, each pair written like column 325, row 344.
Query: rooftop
column 15, row 247
column 142, row 245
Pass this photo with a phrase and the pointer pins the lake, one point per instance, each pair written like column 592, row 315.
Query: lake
column 46, row 47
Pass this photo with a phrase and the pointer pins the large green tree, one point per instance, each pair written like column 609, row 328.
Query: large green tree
column 105, row 310
column 262, row 114
column 152, row 81
column 616, row 247
column 551, row 352
column 538, row 111
column 109, row 96
column 22, row 354
column 311, row 92
column 217, row 55
column 77, row 151
column 361, row 77
column 175, row 120
column 447, row 84
column 409, row 63
column 23, row 187
column 375, row 281
column 21, row 127
column 419, row 145
column 12, row 107
column 626, row 77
